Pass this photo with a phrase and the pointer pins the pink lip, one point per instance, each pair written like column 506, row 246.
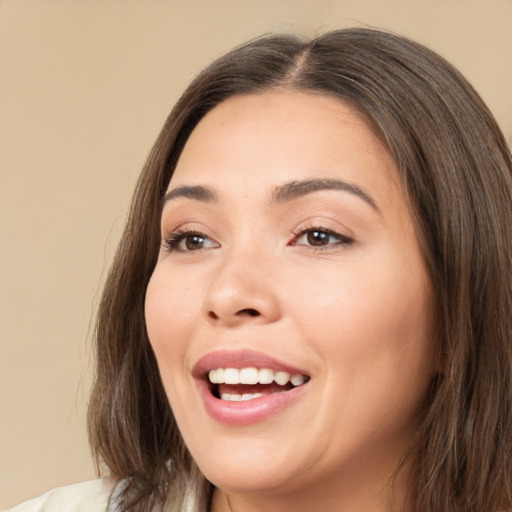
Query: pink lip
column 250, row 411
column 240, row 359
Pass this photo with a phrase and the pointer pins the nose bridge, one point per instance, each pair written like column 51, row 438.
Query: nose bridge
column 242, row 289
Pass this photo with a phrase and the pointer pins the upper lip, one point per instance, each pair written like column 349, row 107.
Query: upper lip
column 240, row 359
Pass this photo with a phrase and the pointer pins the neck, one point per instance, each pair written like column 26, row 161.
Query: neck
column 348, row 494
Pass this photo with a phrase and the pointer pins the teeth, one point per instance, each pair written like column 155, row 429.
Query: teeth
column 296, row 380
column 240, row 398
column 231, row 376
column 248, row 376
column 252, row 375
column 265, row 376
column 216, row 376
column 282, row 378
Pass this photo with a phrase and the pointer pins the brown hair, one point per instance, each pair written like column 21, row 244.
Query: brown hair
column 457, row 173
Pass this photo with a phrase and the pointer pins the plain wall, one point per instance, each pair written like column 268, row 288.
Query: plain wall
column 84, row 89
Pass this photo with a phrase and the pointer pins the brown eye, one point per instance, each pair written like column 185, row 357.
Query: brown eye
column 186, row 241
column 193, row 242
column 317, row 238
column 320, row 237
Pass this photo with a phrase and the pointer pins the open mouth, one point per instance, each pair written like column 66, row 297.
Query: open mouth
column 238, row 385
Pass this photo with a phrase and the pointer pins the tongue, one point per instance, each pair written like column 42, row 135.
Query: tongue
column 240, row 389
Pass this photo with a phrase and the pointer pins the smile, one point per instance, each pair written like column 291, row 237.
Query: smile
column 245, row 387
column 239, row 385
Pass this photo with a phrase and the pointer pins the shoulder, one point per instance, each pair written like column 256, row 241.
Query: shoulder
column 92, row 496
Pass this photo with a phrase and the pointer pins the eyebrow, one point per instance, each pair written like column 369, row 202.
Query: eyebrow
column 296, row 189
column 199, row 193
column 281, row 194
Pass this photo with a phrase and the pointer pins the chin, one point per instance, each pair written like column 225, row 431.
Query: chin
column 260, row 480
column 251, row 469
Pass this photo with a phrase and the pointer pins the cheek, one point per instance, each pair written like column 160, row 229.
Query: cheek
column 369, row 318
column 171, row 309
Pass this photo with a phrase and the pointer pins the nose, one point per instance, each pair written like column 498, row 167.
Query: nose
column 242, row 291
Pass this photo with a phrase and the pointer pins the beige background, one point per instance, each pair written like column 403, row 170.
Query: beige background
column 84, row 89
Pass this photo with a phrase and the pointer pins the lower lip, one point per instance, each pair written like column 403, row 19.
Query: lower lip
column 249, row 411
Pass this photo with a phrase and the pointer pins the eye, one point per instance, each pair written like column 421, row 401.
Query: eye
column 320, row 237
column 186, row 241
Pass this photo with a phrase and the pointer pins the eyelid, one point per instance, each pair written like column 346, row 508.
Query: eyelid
column 171, row 239
column 344, row 239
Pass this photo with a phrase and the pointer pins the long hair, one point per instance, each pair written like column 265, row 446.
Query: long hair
column 457, row 173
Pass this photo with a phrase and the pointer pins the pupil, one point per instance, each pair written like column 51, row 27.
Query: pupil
column 194, row 242
column 318, row 238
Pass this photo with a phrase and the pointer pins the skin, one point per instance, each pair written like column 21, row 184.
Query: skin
column 355, row 315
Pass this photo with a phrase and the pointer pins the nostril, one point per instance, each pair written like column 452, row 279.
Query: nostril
column 248, row 311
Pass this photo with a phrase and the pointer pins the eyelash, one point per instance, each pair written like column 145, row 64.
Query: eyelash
column 172, row 241
column 343, row 240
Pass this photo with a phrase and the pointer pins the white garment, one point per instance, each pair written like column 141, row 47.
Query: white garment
column 92, row 496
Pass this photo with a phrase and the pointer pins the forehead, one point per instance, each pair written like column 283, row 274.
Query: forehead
column 262, row 140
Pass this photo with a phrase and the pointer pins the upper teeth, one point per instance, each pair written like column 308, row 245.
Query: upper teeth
column 253, row 376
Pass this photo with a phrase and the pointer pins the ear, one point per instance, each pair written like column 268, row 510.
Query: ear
column 441, row 363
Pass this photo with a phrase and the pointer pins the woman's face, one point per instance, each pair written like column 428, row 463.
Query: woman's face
column 289, row 254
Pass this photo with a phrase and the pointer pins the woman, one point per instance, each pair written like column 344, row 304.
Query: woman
column 310, row 308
